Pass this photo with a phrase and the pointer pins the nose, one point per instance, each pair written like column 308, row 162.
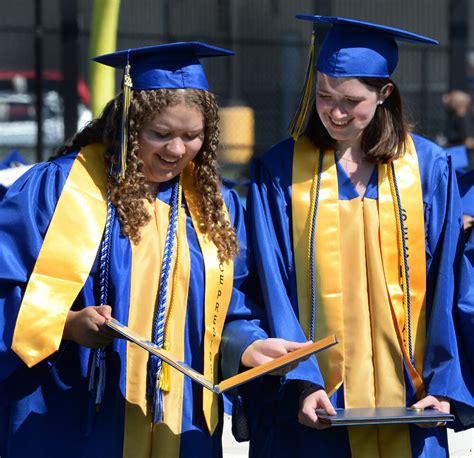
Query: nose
column 176, row 146
column 338, row 111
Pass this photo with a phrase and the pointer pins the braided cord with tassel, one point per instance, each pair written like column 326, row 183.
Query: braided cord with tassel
column 402, row 249
column 315, row 187
column 156, row 366
column 165, row 369
column 98, row 367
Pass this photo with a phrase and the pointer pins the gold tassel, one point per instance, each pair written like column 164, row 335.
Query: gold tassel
column 299, row 118
column 165, row 375
column 127, row 87
column 165, row 378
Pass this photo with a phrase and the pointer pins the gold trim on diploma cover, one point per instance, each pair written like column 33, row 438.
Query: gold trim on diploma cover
column 231, row 382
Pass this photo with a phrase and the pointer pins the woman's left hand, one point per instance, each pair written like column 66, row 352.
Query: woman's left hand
column 434, row 402
column 265, row 350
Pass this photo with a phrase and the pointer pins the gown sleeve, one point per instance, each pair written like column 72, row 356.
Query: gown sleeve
column 25, row 213
column 245, row 320
column 269, row 223
column 465, row 320
column 447, row 371
column 465, row 310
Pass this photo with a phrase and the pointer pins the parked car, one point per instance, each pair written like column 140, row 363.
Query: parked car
column 18, row 127
column 23, row 81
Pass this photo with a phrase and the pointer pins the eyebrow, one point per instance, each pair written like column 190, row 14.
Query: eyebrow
column 355, row 97
column 165, row 127
column 196, row 131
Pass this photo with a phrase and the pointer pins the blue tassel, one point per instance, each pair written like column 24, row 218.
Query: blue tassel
column 97, row 376
column 152, row 371
column 158, row 407
column 92, row 372
column 101, row 378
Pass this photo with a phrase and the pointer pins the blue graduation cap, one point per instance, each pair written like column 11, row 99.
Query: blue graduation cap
column 166, row 66
column 355, row 48
column 352, row 48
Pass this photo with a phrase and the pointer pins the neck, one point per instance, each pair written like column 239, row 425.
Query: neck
column 153, row 187
column 351, row 154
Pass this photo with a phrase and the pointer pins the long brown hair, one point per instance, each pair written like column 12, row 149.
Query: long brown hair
column 127, row 195
column 385, row 136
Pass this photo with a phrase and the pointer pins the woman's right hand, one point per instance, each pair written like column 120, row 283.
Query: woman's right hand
column 307, row 414
column 264, row 350
column 87, row 326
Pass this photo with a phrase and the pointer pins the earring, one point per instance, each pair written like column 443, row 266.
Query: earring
column 379, row 102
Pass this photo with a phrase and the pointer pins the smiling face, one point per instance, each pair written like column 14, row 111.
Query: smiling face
column 345, row 106
column 170, row 141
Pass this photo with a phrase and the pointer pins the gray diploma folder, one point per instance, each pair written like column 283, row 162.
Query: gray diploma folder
column 383, row 416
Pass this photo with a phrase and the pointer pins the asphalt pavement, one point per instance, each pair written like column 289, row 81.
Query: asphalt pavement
column 461, row 445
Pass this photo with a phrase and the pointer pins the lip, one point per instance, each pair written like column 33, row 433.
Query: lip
column 338, row 124
column 165, row 162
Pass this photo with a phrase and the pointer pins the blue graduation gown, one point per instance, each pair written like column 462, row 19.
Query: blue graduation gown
column 47, row 411
column 272, row 404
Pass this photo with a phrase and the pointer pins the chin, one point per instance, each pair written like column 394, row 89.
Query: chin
column 342, row 136
column 338, row 136
column 164, row 177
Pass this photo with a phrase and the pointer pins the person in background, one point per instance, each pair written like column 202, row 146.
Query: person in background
column 465, row 314
column 128, row 220
column 460, row 122
column 466, row 188
column 356, row 228
column 12, row 166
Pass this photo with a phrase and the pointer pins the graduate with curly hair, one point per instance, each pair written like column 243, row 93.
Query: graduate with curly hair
column 129, row 220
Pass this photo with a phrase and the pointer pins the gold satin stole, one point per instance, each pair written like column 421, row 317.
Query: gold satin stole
column 373, row 362
column 141, row 437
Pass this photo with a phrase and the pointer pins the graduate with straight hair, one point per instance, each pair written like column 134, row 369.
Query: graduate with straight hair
column 356, row 229
column 128, row 220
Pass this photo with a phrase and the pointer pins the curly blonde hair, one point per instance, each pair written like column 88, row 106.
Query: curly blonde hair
column 128, row 194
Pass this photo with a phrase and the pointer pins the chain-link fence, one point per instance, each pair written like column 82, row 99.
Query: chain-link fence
column 265, row 75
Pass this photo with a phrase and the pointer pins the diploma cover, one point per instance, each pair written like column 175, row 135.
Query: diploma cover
column 382, row 416
column 231, row 382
